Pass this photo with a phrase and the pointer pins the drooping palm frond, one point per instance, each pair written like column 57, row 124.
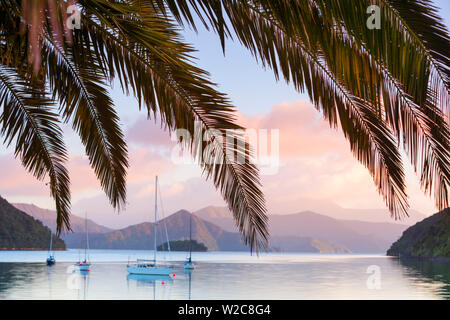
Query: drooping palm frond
column 159, row 75
column 76, row 82
column 397, row 72
column 384, row 88
column 27, row 119
column 423, row 129
column 412, row 72
column 370, row 140
column 131, row 42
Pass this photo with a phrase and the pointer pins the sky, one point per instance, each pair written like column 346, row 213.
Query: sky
column 316, row 168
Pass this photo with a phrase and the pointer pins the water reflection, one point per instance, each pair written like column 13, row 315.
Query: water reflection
column 16, row 275
column 188, row 273
column 308, row 277
column 145, row 282
column 78, row 281
column 434, row 272
column 146, row 279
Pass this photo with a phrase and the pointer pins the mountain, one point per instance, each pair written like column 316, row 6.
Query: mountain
column 429, row 238
column 374, row 215
column 141, row 236
column 19, row 231
column 306, row 244
column 302, row 232
column 48, row 218
column 358, row 236
column 221, row 215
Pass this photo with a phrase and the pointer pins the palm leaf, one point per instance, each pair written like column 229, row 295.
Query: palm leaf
column 76, row 82
column 361, row 62
column 155, row 67
column 27, row 120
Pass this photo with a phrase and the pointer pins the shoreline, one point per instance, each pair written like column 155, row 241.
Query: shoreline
column 434, row 259
column 30, row 249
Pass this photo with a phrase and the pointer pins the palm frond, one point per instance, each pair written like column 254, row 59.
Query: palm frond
column 74, row 78
column 27, row 120
column 411, row 108
column 154, row 66
column 398, row 74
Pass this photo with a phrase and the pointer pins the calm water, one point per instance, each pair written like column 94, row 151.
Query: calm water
column 224, row 275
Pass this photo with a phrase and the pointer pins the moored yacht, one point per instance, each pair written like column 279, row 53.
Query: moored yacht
column 150, row 267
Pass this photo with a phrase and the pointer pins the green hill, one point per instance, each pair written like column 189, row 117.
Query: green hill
column 19, row 231
column 429, row 238
column 183, row 245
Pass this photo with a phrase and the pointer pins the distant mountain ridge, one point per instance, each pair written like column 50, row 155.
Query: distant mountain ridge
column 48, row 218
column 141, row 236
column 19, row 231
column 222, row 214
column 302, row 232
column 358, row 236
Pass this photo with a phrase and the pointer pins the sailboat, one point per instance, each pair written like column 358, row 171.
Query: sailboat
column 150, row 267
column 189, row 265
column 84, row 266
column 51, row 257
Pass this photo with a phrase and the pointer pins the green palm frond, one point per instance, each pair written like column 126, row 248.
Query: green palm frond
column 398, row 73
column 27, row 119
column 385, row 89
column 75, row 81
column 160, row 76
column 132, row 42
column 370, row 140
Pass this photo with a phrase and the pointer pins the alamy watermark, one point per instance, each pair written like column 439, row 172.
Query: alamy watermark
column 374, row 20
column 260, row 147
column 374, row 280
column 74, row 19
column 75, row 278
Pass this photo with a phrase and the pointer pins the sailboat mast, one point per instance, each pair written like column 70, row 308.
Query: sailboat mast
column 85, row 236
column 51, row 242
column 156, row 211
column 190, row 237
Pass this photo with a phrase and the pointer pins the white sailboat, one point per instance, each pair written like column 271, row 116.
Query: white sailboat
column 150, row 267
column 189, row 265
column 85, row 265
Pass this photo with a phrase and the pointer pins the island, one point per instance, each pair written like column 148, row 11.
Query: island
column 183, row 245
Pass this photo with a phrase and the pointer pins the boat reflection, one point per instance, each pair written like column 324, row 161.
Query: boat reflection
column 83, row 273
column 188, row 273
column 147, row 278
column 146, row 282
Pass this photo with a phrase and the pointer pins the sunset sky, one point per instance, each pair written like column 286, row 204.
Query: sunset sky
column 316, row 165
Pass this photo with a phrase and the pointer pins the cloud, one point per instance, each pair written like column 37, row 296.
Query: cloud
column 16, row 180
column 145, row 132
column 317, row 170
column 302, row 130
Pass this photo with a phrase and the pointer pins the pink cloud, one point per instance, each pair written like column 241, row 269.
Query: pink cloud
column 317, row 169
column 303, row 131
column 16, row 180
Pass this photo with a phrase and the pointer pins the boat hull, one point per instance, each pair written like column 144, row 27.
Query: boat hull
column 157, row 271
column 82, row 266
column 150, row 278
